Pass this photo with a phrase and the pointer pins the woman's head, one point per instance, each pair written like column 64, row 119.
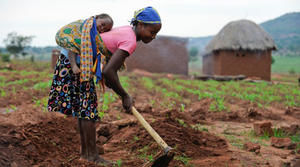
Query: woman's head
column 147, row 24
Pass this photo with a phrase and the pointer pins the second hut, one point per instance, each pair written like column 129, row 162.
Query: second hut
column 240, row 48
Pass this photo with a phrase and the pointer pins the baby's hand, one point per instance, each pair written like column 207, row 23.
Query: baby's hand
column 76, row 69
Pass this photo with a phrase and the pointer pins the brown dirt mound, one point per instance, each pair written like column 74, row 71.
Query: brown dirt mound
column 186, row 141
column 56, row 142
column 27, row 114
column 238, row 112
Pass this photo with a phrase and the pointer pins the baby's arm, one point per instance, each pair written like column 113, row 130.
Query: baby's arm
column 72, row 58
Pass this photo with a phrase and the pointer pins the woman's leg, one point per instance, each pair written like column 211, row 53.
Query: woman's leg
column 88, row 142
column 83, row 148
column 91, row 140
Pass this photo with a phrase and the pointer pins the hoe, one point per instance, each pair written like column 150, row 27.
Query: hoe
column 167, row 155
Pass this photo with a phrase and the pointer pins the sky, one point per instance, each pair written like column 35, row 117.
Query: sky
column 181, row 18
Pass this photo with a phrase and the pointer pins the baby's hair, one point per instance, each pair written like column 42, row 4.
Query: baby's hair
column 104, row 16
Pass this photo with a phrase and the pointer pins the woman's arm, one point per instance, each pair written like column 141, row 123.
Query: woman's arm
column 112, row 79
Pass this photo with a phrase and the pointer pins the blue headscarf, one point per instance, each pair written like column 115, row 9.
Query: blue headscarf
column 146, row 15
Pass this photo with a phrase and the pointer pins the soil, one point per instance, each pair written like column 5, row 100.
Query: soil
column 54, row 140
column 30, row 136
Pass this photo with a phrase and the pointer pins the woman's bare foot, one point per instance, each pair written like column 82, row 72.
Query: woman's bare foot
column 83, row 159
column 100, row 160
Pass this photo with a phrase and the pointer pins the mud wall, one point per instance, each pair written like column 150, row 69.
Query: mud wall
column 54, row 57
column 249, row 63
column 162, row 55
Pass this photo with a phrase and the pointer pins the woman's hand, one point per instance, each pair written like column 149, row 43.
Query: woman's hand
column 127, row 103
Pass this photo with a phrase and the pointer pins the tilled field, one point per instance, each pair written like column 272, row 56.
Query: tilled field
column 207, row 122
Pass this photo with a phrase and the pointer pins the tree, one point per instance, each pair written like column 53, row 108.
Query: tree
column 15, row 43
column 193, row 53
column 272, row 60
column 5, row 57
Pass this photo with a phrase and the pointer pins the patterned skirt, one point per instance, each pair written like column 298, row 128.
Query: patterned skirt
column 69, row 96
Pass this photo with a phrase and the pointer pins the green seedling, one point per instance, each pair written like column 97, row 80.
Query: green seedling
column 101, row 114
column 119, row 116
column 42, row 85
column 3, row 93
column 119, row 162
column 199, row 127
column 182, row 106
column 295, row 138
column 184, row 159
column 279, row 133
column 234, row 141
column 106, row 100
column 181, row 122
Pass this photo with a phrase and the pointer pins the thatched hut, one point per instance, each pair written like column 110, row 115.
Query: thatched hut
column 165, row 54
column 240, row 48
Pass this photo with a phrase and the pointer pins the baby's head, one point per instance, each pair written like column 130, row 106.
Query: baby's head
column 104, row 22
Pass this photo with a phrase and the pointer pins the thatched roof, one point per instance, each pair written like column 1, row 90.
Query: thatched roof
column 241, row 35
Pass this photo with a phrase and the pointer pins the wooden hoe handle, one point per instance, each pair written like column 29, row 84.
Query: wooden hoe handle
column 150, row 130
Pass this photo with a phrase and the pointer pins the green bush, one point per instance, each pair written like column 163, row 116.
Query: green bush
column 193, row 52
column 32, row 58
column 292, row 71
column 273, row 60
column 5, row 57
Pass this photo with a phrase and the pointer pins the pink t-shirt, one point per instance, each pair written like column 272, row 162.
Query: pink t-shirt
column 120, row 38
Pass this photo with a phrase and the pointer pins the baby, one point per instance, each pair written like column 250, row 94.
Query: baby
column 104, row 22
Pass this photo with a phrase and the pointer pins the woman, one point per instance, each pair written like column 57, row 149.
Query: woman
column 73, row 91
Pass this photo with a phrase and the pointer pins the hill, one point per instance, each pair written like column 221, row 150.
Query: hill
column 199, row 42
column 284, row 30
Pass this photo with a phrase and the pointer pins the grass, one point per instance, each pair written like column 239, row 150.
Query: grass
column 42, row 102
column 18, row 82
column 262, row 94
column 125, row 82
column 42, row 85
column 106, row 99
column 285, row 64
column 195, row 67
column 295, row 138
column 279, row 133
column 184, row 159
column 145, row 155
column 199, row 127
column 13, row 107
column 181, row 122
column 118, row 163
column 2, row 93
column 148, row 83
column 2, row 79
column 182, row 107
column 235, row 141
column 239, row 139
